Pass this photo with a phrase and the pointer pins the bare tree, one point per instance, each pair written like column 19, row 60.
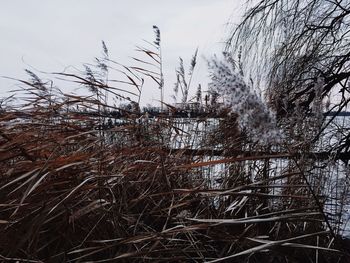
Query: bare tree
column 299, row 51
column 296, row 44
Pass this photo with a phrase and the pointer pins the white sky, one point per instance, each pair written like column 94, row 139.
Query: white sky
column 51, row 35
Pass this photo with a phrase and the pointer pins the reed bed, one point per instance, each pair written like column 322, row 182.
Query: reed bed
column 77, row 187
column 84, row 180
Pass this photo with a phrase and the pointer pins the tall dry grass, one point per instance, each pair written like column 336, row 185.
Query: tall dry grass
column 78, row 186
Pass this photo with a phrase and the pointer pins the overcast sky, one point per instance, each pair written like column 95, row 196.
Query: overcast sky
column 51, row 35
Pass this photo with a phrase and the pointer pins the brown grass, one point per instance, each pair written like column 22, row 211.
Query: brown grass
column 75, row 190
column 84, row 181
